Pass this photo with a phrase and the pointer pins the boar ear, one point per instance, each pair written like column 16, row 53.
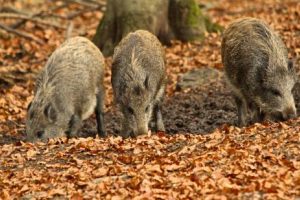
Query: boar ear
column 50, row 112
column 29, row 105
column 121, row 91
column 146, row 82
column 291, row 64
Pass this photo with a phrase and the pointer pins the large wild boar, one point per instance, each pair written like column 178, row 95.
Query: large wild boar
column 259, row 72
column 139, row 81
column 68, row 90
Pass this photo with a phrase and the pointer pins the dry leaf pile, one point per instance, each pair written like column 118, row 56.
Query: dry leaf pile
column 261, row 161
column 257, row 162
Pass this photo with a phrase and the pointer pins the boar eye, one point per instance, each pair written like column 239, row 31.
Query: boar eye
column 275, row 92
column 31, row 115
column 147, row 109
column 39, row 134
column 130, row 110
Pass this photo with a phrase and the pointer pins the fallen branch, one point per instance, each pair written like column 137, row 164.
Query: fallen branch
column 69, row 30
column 58, row 16
column 6, row 9
column 84, row 3
column 40, row 13
column 40, row 21
column 7, row 80
column 100, row 3
column 80, row 12
column 21, row 33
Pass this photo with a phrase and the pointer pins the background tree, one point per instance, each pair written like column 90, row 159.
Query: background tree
column 167, row 19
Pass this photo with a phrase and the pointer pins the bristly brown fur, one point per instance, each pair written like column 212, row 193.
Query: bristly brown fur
column 138, row 80
column 256, row 67
column 69, row 87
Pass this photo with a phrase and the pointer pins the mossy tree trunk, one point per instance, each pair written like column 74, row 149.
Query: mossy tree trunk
column 167, row 19
column 186, row 20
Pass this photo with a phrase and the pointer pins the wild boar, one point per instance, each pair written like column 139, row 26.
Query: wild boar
column 68, row 90
column 258, row 70
column 139, row 81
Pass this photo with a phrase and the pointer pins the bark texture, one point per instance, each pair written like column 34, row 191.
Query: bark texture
column 167, row 19
column 186, row 20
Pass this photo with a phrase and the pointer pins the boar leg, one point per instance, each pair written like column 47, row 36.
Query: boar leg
column 100, row 114
column 257, row 115
column 74, row 125
column 159, row 124
column 126, row 130
column 242, row 111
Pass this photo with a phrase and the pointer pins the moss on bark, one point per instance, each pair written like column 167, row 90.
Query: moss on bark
column 212, row 27
column 167, row 19
column 186, row 20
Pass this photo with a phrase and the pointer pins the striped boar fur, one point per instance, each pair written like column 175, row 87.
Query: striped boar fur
column 139, row 81
column 259, row 72
column 68, row 90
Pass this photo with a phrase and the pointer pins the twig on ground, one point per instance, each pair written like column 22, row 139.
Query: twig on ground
column 100, row 3
column 21, row 33
column 6, row 80
column 84, row 3
column 77, row 13
column 40, row 21
column 58, row 16
column 69, row 30
column 40, row 13
column 6, row 9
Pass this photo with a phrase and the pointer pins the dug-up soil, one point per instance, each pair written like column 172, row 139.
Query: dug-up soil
column 197, row 110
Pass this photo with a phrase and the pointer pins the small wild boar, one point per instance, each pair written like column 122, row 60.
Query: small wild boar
column 259, row 72
column 68, row 90
column 139, row 81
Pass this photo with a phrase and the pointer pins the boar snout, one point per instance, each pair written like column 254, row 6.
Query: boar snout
column 139, row 129
column 289, row 110
column 284, row 115
column 289, row 113
column 139, row 80
column 142, row 126
column 142, row 130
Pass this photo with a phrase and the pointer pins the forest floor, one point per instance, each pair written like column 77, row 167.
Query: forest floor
column 201, row 155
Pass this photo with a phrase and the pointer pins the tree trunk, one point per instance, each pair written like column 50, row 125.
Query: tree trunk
column 186, row 20
column 167, row 19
